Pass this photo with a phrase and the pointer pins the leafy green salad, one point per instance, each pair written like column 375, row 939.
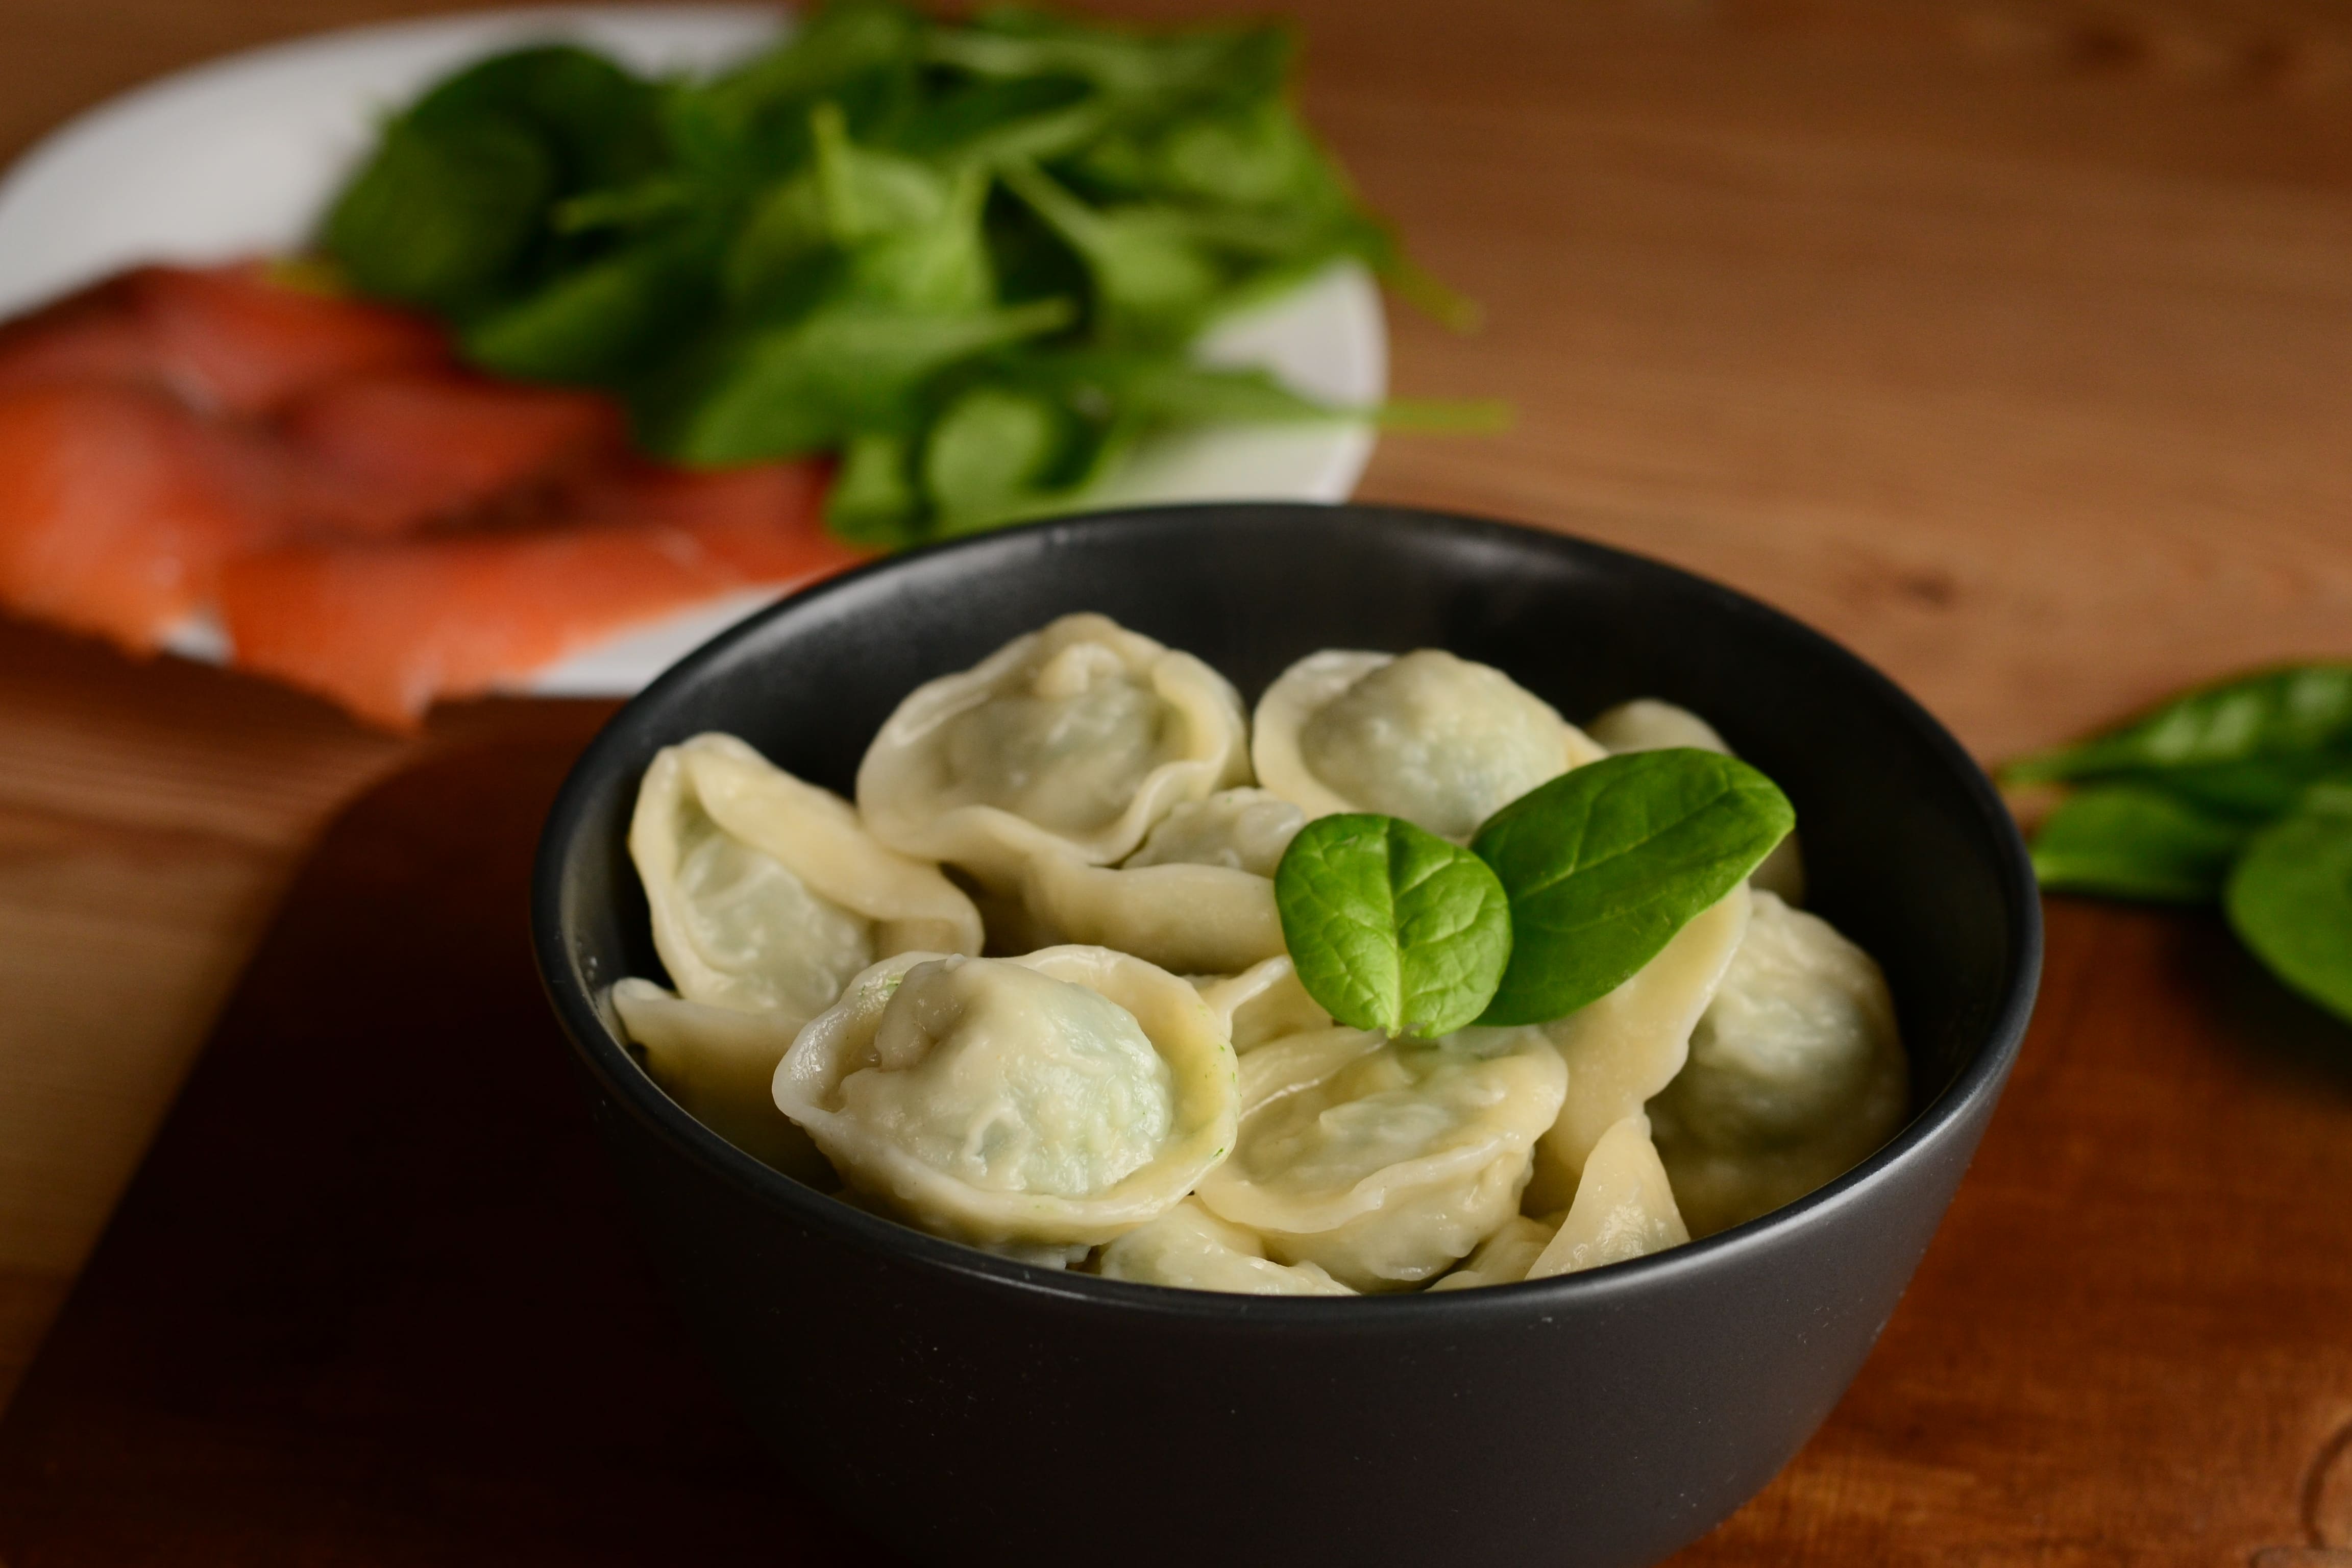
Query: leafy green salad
column 969, row 258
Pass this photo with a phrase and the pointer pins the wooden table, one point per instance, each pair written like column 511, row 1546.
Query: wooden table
column 2009, row 340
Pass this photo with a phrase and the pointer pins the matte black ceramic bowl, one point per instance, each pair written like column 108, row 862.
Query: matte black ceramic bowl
column 976, row 1410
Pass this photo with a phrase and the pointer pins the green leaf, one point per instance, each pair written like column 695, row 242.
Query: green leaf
column 438, row 217
column 603, row 321
column 993, row 455
column 1390, row 927
column 597, row 122
column 2136, row 840
column 874, row 498
column 1607, row 861
column 2297, row 712
column 847, row 369
column 1141, row 73
column 2290, row 899
column 1153, row 284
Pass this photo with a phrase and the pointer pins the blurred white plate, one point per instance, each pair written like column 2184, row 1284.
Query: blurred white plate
column 239, row 156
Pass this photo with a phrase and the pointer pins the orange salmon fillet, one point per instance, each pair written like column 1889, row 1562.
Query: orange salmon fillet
column 384, row 628
column 117, row 509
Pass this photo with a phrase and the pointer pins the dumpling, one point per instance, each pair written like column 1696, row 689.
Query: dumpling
column 1503, row 1258
column 766, row 894
column 717, row 1063
column 1646, row 724
column 1264, row 1002
column 1625, row 1047
column 1189, row 1246
column 1385, row 1161
column 1436, row 740
column 1625, row 1206
column 1796, row 1074
column 1197, row 898
column 1056, row 1099
column 1072, row 741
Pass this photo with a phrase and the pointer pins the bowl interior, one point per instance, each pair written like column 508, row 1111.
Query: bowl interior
column 1908, row 849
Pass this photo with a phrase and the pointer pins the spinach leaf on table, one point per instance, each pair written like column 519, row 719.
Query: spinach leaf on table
column 2295, row 712
column 1390, row 926
column 2137, row 840
column 2290, row 898
column 1604, row 864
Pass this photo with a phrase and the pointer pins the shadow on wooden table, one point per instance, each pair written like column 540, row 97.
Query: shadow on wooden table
column 372, row 1297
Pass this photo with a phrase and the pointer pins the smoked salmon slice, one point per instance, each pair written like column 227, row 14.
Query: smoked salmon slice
column 387, row 452
column 384, row 628
column 228, row 339
column 117, row 509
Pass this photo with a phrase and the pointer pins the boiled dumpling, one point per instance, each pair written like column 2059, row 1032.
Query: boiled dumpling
column 766, row 894
column 1197, row 898
column 1646, row 724
column 1056, row 1099
column 1264, row 1002
column 1625, row 1047
column 1385, row 1161
column 1503, row 1258
column 1796, row 1074
column 1438, row 741
column 1189, row 1246
column 1625, row 1206
column 1072, row 741
column 717, row 1063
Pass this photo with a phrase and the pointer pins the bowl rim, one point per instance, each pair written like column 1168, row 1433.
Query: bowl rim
column 1921, row 1141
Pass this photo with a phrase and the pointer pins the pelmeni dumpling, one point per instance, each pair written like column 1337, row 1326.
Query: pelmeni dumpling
column 1625, row 1206
column 717, row 1063
column 766, row 894
column 1627, row 1046
column 1385, row 1161
column 1646, row 724
column 1072, row 741
column 1264, row 1002
column 1436, row 740
column 1503, row 1258
column 1796, row 1074
column 1189, row 1246
column 1197, row 898
column 1056, row 1099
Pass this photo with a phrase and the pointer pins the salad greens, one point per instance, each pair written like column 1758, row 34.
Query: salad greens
column 2242, row 791
column 968, row 258
column 1561, row 896
column 1390, row 926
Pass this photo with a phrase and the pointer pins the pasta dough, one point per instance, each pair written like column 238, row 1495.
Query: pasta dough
column 1438, row 741
column 1385, row 1161
column 1197, row 898
column 1059, row 1098
column 766, row 894
column 1073, row 741
column 717, row 1063
column 1264, row 1002
column 1796, row 1074
column 1503, row 1258
column 1625, row 1047
column 1625, row 1206
column 1189, row 1246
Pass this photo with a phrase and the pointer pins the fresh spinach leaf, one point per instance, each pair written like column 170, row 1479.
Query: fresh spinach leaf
column 603, row 320
column 874, row 498
column 1390, row 927
column 845, row 370
column 1153, row 284
column 2298, row 711
column 440, row 217
column 993, row 455
column 2137, row 840
column 1604, row 864
column 2290, row 898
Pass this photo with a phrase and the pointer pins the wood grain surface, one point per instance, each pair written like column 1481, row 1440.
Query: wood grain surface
column 374, row 1299
column 2008, row 340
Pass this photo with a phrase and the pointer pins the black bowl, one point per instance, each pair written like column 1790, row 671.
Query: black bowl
column 972, row 1409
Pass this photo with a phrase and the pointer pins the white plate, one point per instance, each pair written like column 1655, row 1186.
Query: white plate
column 240, row 156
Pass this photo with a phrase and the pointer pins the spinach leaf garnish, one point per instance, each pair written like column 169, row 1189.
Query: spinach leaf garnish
column 1604, row 864
column 2137, row 840
column 2290, row 898
column 1390, row 926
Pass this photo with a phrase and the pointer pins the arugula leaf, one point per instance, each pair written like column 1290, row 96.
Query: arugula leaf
column 874, row 498
column 438, row 217
column 2136, row 840
column 992, row 457
column 846, row 369
column 1390, row 927
column 1152, row 283
column 603, row 321
column 1604, row 864
column 2290, row 898
column 2279, row 713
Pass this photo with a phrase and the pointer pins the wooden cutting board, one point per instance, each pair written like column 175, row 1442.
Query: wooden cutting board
column 372, row 1297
